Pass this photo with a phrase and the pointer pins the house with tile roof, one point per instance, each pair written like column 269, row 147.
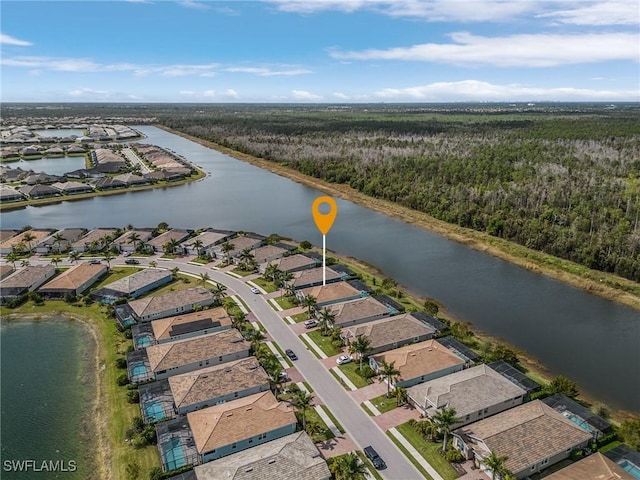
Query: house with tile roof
column 124, row 244
column 161, row 240
column 390, row 332
column 292, row 263
column 419, row 362
column 190, row 325
column 74, row 281
column 217, row 384
column 19, row 242
column 533, row 436
column 293, row 456
column 475, row 393
column 25, row 280
column 268, row 253
column 593, row 467
column 238, row 425
column 98, row 237
column 209, row 240
column 133, row 286
column 355, row 312
column 170, row 303
column 313, row 277
column 331, row 293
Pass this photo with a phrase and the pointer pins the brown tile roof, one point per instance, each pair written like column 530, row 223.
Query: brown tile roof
column 331, row 292
column 207, row 238
column 137, row 280
column 294, row 261
column 38, row 234
column 216, row 381
column 166, row 301
column 74, row 277
column 268, row 251
column 6, row 270
column 240, row 243
column 593, row 467
column 526, row 434
column 183, row 352
column 27, row 276
column 420, row 359
column 160, row 240
column 356, row 309
column 313, row 275
column 7, row 234
column 230, row 422
column 95, row 234
column 124, row 238
column 162, row 328
column 388, row 331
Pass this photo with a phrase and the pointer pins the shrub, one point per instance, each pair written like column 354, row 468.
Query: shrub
column 305, row 244
column 133, row 396
column 366, row 372
column 70, row 298
column 453, row 455
column 123, row 379
column 121, row 362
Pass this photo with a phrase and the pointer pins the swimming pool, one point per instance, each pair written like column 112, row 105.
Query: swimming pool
column 143, row 341
column 631, row 468
column 138, row 371
column 154, row 412
column 578, row 421
column 173, row 454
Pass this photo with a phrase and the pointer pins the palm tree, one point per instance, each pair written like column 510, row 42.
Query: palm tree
column 175, row 271
column 309, row 301
column 108, row 256
column 361, row 345
column 427, row 429
column 13, row 258
column 301, row 401
column 204, row 278
column 28, row 237
column 388, row 372
column 25, row 263
column 245, row 259
column 134, row 238
column 94, row 246
column 348, row 467
column 74, row 256
column 281, row 279
column 495, row 463
column 197, row 244
column 170, row 247
column 270, row 272
column 256, row 337
column 239, row 319
column 401, row 396
column 57, row 239
column 226, row 248
column 444, row 419
column 55, row 261
column 153, row 264
column 326, row 320
column 219, row 291
column 105, row 240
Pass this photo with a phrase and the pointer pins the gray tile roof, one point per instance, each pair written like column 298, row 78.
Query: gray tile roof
column 387, row 331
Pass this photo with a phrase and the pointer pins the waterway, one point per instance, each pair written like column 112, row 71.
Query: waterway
column 51, row 165
column 586, row 338
column 46, row 392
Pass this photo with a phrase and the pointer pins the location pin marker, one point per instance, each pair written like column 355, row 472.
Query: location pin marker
column 324, row 221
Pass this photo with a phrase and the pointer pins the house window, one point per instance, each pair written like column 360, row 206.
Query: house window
column 467, row 417
column 533, row 467
column 235, row 394
column 544, row 462
column 219, row 359
column 233, row 446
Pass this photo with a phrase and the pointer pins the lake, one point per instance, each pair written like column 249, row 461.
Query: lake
column 586, row 338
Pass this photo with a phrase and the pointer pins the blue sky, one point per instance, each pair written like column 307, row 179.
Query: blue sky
column 320, row 51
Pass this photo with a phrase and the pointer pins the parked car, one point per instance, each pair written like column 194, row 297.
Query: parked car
column 291, row 354
column 131, row 261
column 310, row 323
column 375, row 458
column 95, row 261
column 342, row 359
column 254, row 290
column 126, row 254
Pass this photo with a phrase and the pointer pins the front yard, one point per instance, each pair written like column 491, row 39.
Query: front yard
column 384, row 404
column 325, row 343
column 266, row 285
column 351, row 371
column 285, row 302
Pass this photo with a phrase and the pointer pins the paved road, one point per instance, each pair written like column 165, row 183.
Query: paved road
column 135, row 160
column 360, row 426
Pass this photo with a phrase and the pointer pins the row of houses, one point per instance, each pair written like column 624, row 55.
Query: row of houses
column 25, row 134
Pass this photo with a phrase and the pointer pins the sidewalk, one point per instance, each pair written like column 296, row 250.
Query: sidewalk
column 414, row 453
column 275, row 351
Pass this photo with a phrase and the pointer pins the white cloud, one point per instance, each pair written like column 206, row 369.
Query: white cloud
column 9, row 40
column 266, row 72
column 304, row 95
column 611, row 12
column 523, row 50
column 90, row 92
column 231, row 93
column 340, row 95
column 475, row 90
column 209, row 93
column 194, row 5
column 186, row 92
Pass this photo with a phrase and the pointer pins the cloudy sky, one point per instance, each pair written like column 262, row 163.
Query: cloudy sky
column 320, row 51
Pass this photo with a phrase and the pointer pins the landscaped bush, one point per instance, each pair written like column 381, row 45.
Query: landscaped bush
column 121, row 362
column 453, row 455
column 366, row 372
column 70, row 298
column 133, row 396
column 123, row 379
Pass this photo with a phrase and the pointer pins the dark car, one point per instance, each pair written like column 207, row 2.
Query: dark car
column 131, row 261
column 291, row 354
column 95, row 261
column 375, row 458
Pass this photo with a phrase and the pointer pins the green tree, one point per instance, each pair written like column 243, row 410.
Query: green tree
column 563, row 385
column 444, row 419
column 29, row 237
column 108, row 256
column 153, row 264
column 348, row 467
column 12, row 257
column 305, row 244
column 387, row 372
column 401, row 395
column 55, row 261
column 57, row 238
column 496, row 463
column 302, row 401
column 326, row 320
column 226, row 248
column 74, row 256
column 204, row 278
column 170, row 246
column 197, row 245
column 431, row 307
column 630, row 432
column 309, row 301
column 361, row 346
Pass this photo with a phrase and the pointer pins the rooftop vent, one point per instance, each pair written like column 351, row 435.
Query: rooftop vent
column 272, row 461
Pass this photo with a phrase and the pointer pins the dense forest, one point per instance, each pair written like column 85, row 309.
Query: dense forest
column 563, row 182
column 559, row 178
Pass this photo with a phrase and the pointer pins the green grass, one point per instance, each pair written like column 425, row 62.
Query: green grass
column 117, row 412
column 312, row 416
column 116, row 274
column 243, row 303
column 285, row 302
column 410, row 457
column 311, row 349
column 609, row 446
column 367, row 462
column 242, row 273
column 201, row 261
column 340, row 381
column 384, row 404
column 300, row 317
column 309, row 387
column 429, row 451
column 351, row 372
column 286, row 359
column 266, row 285
column 324, row 343
column 180, row 282
column 366, row 409
column 333, row 419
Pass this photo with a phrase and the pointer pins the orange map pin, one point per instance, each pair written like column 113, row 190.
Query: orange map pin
column 324, row 221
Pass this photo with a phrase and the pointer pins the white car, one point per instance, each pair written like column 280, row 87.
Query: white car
column 342, row 359
column 254, row 290
column 310, row 323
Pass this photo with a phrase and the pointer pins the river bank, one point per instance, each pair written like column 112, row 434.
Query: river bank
column 599, row 283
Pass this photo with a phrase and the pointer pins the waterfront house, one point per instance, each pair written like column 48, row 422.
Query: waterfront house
column 581, row 416
column 72, row 188
column 41, row 179
column 313, row 277
column 248, row 240
column 419, row 362
column 74, row 281
column 293, row 456
column 533, row 436
column 292, row 263
column 240, row 424
column 107, row 183
column 268, row 253
column 170, row 303
column 161, row 240
column 182, row 356
column 51, row 245
column 475, row 393
column 208, row 240
column 95, row 240
column 132, row 180
column 133, row 286
column 25, row 280
column 191, row 325
column 38, row 191
column 515, row 376
column 355, row 312
column 19, row 244
column 217, row 384
column 593, row 467
column 124, row 244
column 625, row 456
column 389, row 333
column 331, row 293
column 10, row 194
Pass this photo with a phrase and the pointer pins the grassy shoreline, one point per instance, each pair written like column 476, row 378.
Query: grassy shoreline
column 609, row 286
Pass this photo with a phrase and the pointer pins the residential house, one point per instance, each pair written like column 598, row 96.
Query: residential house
column 132, row 180
column 182, row 356
column 74, row 281
column 10, row 194
column 6, row 270
column 475, row 393
column 208, row 240
column 625, row 456
column 51, row 245
column 419, row 362
column 38, row 191
column 355, row 312
column 292, row 263
column 161, row 240
column 331, row 293
column 460, row 349
column 191, row 325
column 72, row 188
column 170, row 303
column 108, row 183
column 7, row 234
column 20, row 243
column 389, row 333
column 25, row 280
column 133, row 286
column 95, row 240
column 124, row 243
column 313, row 277
column 269, row 253
column 533, row 436
column 240, row 424
column 249, row 240
column 581, row 416
column 593, row 467
column 293, row 456
column 41, row 179
column 218, row 384
column 515, row 376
